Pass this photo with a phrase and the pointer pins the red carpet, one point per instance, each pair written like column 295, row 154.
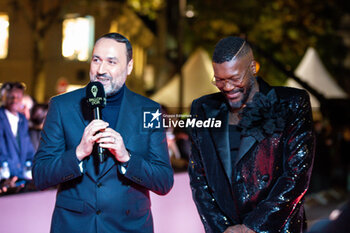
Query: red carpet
column 31, row 212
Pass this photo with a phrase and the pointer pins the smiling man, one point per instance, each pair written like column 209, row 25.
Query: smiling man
column 112, row 196
column 251, row 174
column 15, row 144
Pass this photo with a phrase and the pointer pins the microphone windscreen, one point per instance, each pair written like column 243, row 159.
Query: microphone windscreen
column 95, row 95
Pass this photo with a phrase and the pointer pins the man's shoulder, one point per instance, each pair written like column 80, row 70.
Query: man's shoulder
column 290, row 93
column 140, row 98
column 2, row 114
column 298, row 100
column 72, row 96
column 283, row 92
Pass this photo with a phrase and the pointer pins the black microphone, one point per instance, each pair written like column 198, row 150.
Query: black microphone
column 96, row 98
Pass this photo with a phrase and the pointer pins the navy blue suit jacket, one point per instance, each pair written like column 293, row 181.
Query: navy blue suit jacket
column 10, row 150
column 101, row 199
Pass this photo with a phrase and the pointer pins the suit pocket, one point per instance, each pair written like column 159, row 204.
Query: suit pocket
column 69, row 203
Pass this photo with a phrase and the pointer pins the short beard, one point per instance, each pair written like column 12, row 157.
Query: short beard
column 114, row 90
column 239, row 104
column 114, row 87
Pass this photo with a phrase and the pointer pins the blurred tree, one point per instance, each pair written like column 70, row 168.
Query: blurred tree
column 282, row 28
column 149, row 8
column 40, row 16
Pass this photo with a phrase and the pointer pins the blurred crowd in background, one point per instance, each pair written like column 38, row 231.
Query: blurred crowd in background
column 21, row 120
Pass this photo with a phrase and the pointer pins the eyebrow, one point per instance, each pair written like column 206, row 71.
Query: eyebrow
column 112, row 58
column 108, row 58
column 232, row 76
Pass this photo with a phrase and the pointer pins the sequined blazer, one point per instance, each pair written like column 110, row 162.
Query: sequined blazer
column 264, row 187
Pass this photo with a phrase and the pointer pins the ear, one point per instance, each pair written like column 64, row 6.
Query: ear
column 253, row 67
column 130, row 66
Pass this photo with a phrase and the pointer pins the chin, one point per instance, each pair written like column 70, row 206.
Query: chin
column 235, row 105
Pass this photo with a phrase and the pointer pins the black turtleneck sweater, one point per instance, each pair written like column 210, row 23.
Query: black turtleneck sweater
column 110, row 113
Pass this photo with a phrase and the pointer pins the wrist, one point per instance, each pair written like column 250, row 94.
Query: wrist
column 126, row 157
column 79, row 154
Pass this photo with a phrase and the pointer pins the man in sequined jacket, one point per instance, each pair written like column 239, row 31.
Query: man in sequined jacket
column 250, row 174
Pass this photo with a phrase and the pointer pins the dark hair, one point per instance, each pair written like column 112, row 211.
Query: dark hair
column 38, row 119
column 8, row 86
column 230, row 47
column 121, row 39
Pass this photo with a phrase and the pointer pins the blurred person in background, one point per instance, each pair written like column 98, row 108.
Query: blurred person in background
column 37, row 119
column 344, row 158
column 27, row 105
column 177, row 162
column 183, row 142
column 337, row 221
column 16, row 150
column 321, row 173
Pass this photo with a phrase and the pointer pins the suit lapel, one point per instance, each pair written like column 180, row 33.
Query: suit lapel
column 83, row 110
column 21, row 141
column 126, row 123
column 220, row 135
column 246, row 144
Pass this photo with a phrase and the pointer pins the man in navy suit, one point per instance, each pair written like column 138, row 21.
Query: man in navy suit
column 15, row 144
column 112, row 196
column 250, row 174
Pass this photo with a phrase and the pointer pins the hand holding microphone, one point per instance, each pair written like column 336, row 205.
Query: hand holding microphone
column 113, row 141
column 90, row 136
column 96, row 99
column 98, row 132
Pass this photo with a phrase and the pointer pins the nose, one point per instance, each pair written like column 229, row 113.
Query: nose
column 102, row 68
column 15, row 99
column 228, row 86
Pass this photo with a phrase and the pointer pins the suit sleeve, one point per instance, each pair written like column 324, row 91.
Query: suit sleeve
column 53, row 164
column 287, row 194
column 152, row 170
column 3, row 154
column 211, row 216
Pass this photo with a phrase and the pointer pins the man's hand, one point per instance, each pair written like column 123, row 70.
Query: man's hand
column 10, row 184
column 89, row 138
column 238, row 229
column 113, row 141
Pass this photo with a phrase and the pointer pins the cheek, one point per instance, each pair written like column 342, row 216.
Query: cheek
column 92, row 70
column 246, row 86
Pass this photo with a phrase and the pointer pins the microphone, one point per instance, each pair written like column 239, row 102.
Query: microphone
column 96, row 98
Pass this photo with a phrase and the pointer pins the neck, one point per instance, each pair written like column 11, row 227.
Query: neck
column 233, row 118
column 12, row 111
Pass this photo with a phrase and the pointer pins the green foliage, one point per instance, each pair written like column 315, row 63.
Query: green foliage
column 146, row 7
column 282, row 28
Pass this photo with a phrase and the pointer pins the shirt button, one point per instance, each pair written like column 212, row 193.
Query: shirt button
column 98, row 212
column 99, row 185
